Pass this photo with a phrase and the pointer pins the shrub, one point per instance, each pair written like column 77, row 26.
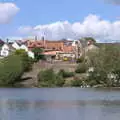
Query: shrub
column 65, row 74
column 76, row 83
column 80, row 60
column 106, row 62
column 38, row 54
column 48, row 78
column 81, row 68
column 59, row 82
column 26, row 60
column 10, row 70
column 20, row 52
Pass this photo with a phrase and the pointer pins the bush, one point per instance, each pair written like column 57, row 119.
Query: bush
column 81, row 68
column 65, row 74
column 76, row 83
column 105, row 62
column 80, row 60
column 38, row 54
column 20, row 52
column 10, row 70
column 48, row 78
column 26, row 60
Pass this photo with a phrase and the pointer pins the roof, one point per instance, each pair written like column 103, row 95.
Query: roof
column 61, row 45
column 1, row 42
column 32, row 44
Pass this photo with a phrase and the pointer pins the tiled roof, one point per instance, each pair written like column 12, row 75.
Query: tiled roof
column 51, row 45
column 1, row 42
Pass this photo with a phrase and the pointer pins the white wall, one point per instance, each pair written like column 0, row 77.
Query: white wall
column 5, row 50
column 31, row 54
column 16, row 46
column 24, row 47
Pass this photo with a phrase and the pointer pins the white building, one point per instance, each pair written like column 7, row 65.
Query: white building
column 16, row 46
column 5, row 50
column 24, row 47
column 31, row 54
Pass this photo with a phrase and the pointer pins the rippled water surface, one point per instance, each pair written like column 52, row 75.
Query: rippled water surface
column 60, row 104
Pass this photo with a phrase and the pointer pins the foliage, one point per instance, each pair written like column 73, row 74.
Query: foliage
column 65, row 74
column 90, row 38
column 48, row 78
column 20, row 52
column 80, row 60
column 26, row 60
column 81, row 68
column 76, row 83
column 38, row 54
column 10, row 70
column 105, row 62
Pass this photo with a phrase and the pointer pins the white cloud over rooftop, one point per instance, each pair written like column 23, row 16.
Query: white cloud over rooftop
column 92, row 25
column 7, row 12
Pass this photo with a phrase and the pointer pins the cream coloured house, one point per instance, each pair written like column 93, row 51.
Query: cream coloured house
column 4, row 50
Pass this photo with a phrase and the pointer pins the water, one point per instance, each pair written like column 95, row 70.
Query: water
column 59, row 104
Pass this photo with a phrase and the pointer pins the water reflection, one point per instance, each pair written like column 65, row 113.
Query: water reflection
column 59, row 104
column 11, row 109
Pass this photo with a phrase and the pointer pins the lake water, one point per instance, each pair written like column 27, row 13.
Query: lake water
column 59, row 104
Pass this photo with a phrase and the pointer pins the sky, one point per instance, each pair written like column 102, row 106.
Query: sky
column 58, row 19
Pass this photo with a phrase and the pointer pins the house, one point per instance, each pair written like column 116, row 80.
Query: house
column 56, row 49
column 24, row 47
column 82, row 46
column 31, row 54
column 1, row 43
column 4, row 50
column 16, row 46
column 8, row 48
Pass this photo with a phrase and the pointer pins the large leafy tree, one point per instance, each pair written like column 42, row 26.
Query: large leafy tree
column 90, row 38
column 38, row 52
column 106, row 62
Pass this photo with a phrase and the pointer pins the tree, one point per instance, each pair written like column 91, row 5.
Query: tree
column 106, row 64
column 11, row 70
column 38, row 53
column 26, row 60
column 90, row 38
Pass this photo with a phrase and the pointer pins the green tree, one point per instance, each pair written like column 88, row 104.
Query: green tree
column 11, row 70
column 26, row 60
column 106, row 62
column 48, row 78
column 38, row 53
column 90, row 38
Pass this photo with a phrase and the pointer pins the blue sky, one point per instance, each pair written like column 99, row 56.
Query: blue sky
column 40, row 12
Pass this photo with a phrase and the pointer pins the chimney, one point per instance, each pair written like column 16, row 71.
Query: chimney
column 35, row 38
column 44, row 43
column 7, row 40
column 43, row 38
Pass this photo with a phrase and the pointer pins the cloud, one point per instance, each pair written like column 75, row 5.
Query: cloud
column 92, row 25
column 7, row 12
